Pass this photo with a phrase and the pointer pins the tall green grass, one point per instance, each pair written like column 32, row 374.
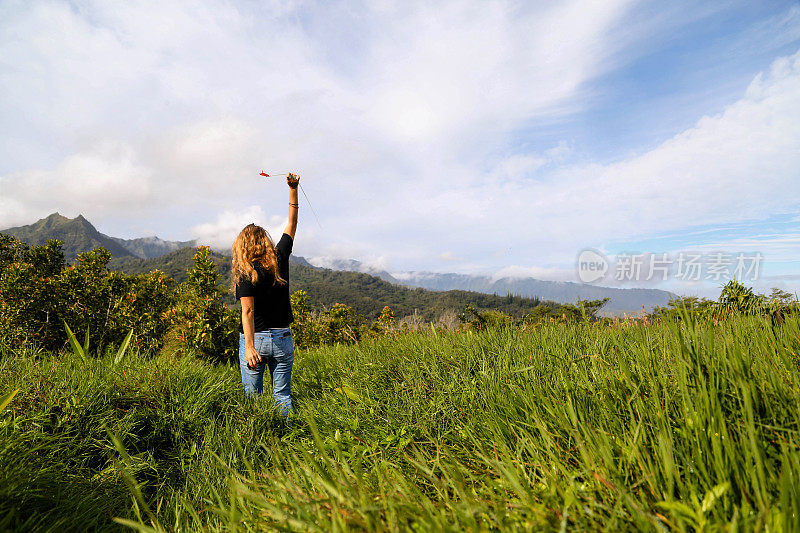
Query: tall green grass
column 671, row 426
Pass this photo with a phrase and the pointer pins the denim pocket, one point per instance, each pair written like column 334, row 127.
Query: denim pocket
column 284, row 348
column 258, row 343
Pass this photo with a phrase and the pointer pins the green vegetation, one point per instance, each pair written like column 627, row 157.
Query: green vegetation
column 39, row 292
column 120, row 406
column 677, row 425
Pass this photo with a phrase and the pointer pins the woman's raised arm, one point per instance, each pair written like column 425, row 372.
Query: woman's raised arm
column 293, row 180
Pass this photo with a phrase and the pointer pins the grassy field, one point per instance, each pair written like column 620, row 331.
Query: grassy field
column 662, row 427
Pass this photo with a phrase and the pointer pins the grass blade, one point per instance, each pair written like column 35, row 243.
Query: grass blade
column 123, row 348
column 76, row 346
column 7, row 399
column 86, row 341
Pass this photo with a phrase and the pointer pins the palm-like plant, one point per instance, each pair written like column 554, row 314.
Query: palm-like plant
column 736, row 298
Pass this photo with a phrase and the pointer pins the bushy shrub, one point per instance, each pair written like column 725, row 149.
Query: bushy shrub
column 584, row 310
column 339, row 324
column 736, row 298
column 303, row 326
column 39, row 293
column 471, row 318
column 201, row 323
column 28, row 309
column 384, row 325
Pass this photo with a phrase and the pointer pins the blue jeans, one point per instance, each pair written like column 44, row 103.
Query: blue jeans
column 276, row 348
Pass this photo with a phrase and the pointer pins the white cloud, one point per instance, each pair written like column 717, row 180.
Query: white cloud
column 518, row 167
column 449, row 256
column 543, row 273
column 741, row 164
column 370, row 265
column 403, row 119
column 559, row 152
column 206, row 94
column 106, row 180
column 221, row 233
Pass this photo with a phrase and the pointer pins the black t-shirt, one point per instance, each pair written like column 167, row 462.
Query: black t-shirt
column 272, row 307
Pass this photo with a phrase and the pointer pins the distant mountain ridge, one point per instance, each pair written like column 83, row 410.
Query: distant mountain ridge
column 79, row 235
column 621, row 300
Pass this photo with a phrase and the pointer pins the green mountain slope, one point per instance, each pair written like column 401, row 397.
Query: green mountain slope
column 77, row 234
column 175, row 264
column 366, row 294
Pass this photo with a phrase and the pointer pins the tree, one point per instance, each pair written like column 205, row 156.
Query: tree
column 202, row 323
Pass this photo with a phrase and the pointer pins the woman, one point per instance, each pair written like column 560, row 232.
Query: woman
column 261, row 283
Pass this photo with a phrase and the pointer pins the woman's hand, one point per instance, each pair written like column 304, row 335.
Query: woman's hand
column 253, row 359
column 292, row 180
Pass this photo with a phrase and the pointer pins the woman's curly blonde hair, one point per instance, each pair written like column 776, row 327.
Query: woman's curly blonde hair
column 253, row 246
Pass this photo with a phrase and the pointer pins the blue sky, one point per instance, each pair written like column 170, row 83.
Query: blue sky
column 477, row 137
column 685, row 71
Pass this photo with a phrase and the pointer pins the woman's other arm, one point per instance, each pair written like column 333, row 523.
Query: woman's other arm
column 248, row 326
column 293, row 180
